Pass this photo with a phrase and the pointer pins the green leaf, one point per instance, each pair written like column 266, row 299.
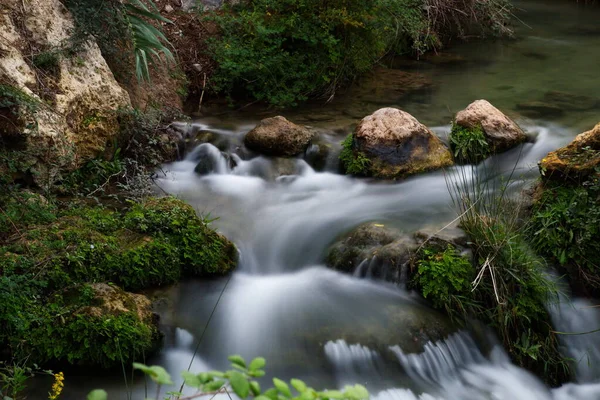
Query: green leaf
column 298, row 385
column 214, row 385
column 333, row 394
column 97, row 394
column 217, row 374
column 271, row 394
column 255, row 388
column 257, row 363
column 356, row 392
column 191, row 380
column 237, row 360
column 257, row 373
column 157, row 373
column 282, row 387
column 239, row 384
column 261, row 397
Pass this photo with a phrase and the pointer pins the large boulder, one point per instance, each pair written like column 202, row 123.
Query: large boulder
column 391, row 143
column 576, row 161
column 500, row 132
column 278, row 137
column 59, row 108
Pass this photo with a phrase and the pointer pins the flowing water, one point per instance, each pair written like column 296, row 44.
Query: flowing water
column 333, row 329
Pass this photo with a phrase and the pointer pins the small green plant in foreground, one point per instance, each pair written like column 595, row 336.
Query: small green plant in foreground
column 469, row 145
column 241, row 380
column 355, row 163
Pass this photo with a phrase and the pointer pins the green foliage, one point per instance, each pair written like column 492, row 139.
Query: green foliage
column 13, row 378
column 511, row 289
column 287, row 51
column 119, row 26
column 566, row 227
column 445, row 278
column 23, row 208
column 354, row 162
column 17, row 102
column 46, row 60
column 469, row 145
column 47, row 305
column 241, row 380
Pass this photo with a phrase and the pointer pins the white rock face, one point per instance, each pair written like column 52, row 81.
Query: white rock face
column 74, row 118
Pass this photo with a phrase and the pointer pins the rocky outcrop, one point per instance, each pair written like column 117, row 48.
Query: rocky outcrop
column 59, row 113
column 501, row 132
column 397, row 145
column 278, row 137
column 576, row 161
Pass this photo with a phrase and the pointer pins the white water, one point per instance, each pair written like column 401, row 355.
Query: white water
column 282, row 304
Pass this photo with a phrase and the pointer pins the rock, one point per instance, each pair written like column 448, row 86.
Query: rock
column 74, row 119
column 500, row 131
column 373, row 250
column 576, row 161
column 539, row 109
column 397, row 145
column 168, row 8
column 109, row 299
column 452, row 235
column 278, row 137
column 571, row 102
column 386, row 86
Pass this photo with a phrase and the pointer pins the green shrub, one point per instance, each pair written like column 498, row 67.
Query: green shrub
column 445, row 279
column 287, row 51
column 47, row 60
column 353, row 162
column 566, row 227
column 469, row 145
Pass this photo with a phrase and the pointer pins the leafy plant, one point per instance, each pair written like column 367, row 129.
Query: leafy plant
column 241, row 380
column 566, row 227
column 122, row 25
column 354, row 162
column 469, row 145
column 445, row 279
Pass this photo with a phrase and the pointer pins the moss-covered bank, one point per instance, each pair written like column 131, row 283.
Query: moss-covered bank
column 61, row 270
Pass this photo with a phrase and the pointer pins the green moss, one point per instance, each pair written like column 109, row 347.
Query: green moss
column 47, row 60
column 46, row 312
column 566, row 227
column 469, row 145
column 354, row 162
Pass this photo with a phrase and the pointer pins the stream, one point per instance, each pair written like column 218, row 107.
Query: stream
column 332, row 329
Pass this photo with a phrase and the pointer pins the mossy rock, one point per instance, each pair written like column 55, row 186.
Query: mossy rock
column 575, row 162
column 59, row 268
column 99, row 325
column 392, row 144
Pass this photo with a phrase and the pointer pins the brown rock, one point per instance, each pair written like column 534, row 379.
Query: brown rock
column 398, row 145
column 278, row 137
column 576, row 161
column 501, row 132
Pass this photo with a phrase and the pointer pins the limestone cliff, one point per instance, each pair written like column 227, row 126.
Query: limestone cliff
column 57, row 103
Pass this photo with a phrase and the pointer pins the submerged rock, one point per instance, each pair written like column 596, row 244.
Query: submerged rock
column 278, row 137
column 570, row 101
column 576, row 161
column 374, row 250
column 391, row 143
column 539, row 109
column 501, row 132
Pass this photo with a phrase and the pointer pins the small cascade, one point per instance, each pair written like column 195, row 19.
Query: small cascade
column 440, row 360
column 352, row 363
column 577, row 318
